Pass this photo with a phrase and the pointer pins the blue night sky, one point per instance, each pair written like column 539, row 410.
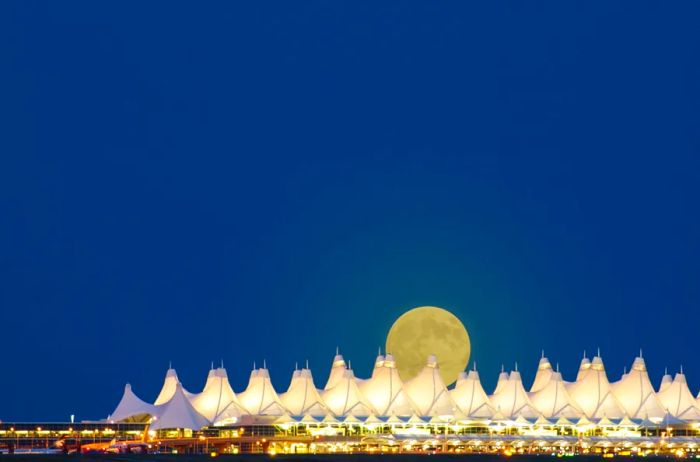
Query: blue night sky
column 258, row 180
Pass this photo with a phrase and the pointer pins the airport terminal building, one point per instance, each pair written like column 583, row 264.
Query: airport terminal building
column 385, row 414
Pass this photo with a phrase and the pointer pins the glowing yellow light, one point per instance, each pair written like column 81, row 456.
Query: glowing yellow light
column 214, row 454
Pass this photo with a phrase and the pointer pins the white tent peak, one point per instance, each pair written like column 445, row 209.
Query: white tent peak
column 217, row 401
column 543, row 375
column 585, row 366
column 168, row 389
column 678, row 401
column 260, row 397
column 428, row 392
column 470, row 398
column 512, row 399
column 385, row 391
column 553, row 401
column 592, row 392
column 639, row 364
column 345, row 398
column 636, row 394
column 502, row 379
column 338, row 368
column 302, row 397
column 130, row 406
column 178, row 412
column 389, row 361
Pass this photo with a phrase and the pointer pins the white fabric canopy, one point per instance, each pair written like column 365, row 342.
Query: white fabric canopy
column 384, row 390
column 583, row 368
column 218, row 402
column 543, row 375
column 428, row 392
column 636, row 394
column 131, row 406
column 260, row 397
column 502, row 380
column 511, row 399
column 553, row 401
column 593, row 394
column 178, row 412
column 168, row 389
column 302, row 397
column 677, row 399
column 345, row 397
column 665, row 381
column 470, row 397
column 337, row 371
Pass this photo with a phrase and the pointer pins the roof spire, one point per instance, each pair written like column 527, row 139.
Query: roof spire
column 170, row 364
column 640, row 353
column 212, row 364
column 222, row 363
column 474, row 365
column 296, row 365
column 557, row 366
column 516, row 366
column 599, row 352
column 681, row 368
column 666, row 370
column 584, row 354
column 264, row 364
column 503, row 368
column 379, row 350
column 307, row 363
column 624, row 370
column 349, row 364
column 254, row 365
column 337, row 351
column 542, row 353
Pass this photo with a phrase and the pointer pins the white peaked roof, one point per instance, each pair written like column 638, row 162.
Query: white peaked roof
column 470, row 397
column 677, row 399
column 169, row 385
column 217, row 402
column 502, row 380
column 636, row 394
column 583, row 368
column 544, row 373
column 260, row 397
column 384, row 390
column 345, row 397
column 337, row 371
column 178, row 412
column 428, row 392
column 593, row 394
column 130, row 406
column 378, row 364
column 665, row 381
column 512, row 400
column 553, row 401
column 302, row 397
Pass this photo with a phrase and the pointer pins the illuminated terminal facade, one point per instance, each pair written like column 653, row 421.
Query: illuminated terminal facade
column 385, row 414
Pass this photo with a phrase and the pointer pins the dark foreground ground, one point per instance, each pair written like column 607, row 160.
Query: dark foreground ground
column 301, row 458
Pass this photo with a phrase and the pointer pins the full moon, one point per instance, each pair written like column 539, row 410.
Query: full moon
column 427, row 330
